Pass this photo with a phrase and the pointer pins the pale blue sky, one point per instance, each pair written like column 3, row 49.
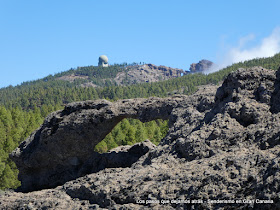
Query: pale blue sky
column 44, row 37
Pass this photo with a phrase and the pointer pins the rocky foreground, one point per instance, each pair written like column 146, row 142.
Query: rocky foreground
column 222, row 151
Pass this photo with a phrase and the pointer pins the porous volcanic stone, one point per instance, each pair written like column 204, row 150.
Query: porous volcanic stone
column 222, row 145
column 56, row 152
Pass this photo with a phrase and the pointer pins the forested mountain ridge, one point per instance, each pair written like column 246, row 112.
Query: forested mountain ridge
column 23, row 107
column 50, row 91
column 116, row 74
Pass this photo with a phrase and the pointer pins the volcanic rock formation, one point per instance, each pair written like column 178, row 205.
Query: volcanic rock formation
column 58, row 149
column 201, row 66
column 223, row 146
column 147, row 73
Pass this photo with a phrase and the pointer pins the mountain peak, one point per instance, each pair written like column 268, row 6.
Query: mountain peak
column 201, row 66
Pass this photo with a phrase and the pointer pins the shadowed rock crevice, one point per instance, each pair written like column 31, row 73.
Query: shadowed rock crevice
column 120, row 157
column 83, row 193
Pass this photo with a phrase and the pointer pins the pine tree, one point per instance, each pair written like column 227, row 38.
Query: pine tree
column 2, row 135
column 157, row 136
column 8, row 178
column 110, row 142
column 140, row 134
column 101, row 147
column 130, row 136
column 119, row 137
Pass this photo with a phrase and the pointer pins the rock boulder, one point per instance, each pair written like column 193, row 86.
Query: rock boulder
column 201, row 66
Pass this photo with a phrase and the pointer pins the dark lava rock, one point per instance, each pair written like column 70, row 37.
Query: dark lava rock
column 56, row 152
column 222, row 151
column 201, row 66
column 120, row 157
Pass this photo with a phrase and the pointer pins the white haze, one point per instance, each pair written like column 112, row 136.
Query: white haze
column 268, row 47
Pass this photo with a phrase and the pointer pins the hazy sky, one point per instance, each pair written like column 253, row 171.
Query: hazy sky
column 42, row 37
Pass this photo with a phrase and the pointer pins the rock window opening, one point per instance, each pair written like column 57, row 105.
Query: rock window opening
column 130, row 131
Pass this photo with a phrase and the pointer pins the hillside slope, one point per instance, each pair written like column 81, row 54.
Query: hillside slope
column 120, row 74
column 50, row 91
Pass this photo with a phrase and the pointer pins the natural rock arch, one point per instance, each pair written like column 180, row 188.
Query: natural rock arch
column 55, row 152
